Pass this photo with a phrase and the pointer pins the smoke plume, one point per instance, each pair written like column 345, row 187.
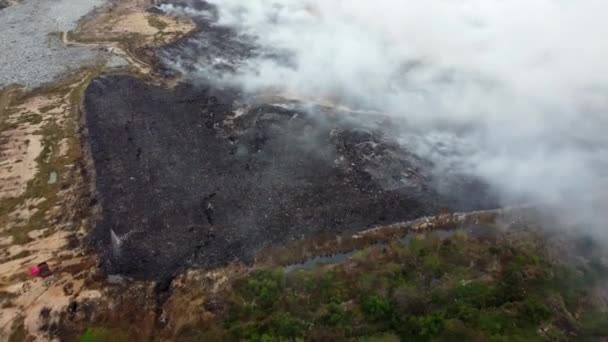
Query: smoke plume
column 514, row 92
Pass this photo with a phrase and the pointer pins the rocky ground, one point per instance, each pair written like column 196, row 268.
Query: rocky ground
column 31, row 54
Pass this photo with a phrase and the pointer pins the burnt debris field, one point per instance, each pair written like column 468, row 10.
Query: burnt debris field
column 202, row 174
column 193, row 177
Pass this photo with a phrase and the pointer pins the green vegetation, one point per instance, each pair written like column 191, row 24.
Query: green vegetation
column 157, row 23
column 454, row 289
column 103, row 335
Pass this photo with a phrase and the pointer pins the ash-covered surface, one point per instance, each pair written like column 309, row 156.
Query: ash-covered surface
column 191, row 177
column 213, row 50
column 187, row 178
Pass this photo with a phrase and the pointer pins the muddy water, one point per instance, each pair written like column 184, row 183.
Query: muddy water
column 476, row 231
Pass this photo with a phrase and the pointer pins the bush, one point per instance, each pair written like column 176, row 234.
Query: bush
column 432, row 262
column 510, row 289
column 466, row 313
column 493, row 322
column 475, row 293
column 266, row 287
column 286, row 326
column 457, row 331
column 409, row 299
column 595, row 324
column 428, row 326
column 329, row 288
column 102, row 335
column 534, row 311
column 377, row 308
column 94, row 335
column 335, row 315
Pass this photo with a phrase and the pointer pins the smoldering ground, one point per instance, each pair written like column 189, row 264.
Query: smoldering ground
column 303, row 117
column 512, row 92
column 193, row 177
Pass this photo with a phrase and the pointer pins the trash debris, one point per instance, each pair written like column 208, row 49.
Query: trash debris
column 34, row 271
column 42, row 270
column 52, row 178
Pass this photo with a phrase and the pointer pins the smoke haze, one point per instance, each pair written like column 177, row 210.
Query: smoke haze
column 514, row 92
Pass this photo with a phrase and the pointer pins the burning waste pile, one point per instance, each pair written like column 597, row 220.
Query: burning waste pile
column 188, row 177
column 303, row 117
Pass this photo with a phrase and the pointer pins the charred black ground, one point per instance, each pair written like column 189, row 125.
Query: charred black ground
column 194, row 177
column 185, row 180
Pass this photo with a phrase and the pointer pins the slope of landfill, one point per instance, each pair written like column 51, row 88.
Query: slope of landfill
column 187, row 177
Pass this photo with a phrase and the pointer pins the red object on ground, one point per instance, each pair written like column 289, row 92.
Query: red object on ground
column 42, row 270
column 34, row 271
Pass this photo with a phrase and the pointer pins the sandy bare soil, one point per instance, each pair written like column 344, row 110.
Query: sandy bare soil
column 22, row 145
column 18, row 156
column 42, row 189
column 30, row 206
column 26, row 297
column 126, row 19
column 128, row 33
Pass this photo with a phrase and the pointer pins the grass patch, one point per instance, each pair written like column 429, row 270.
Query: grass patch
column 7, row 97
column 49, row 159
column 156, row 23
column 103, row 335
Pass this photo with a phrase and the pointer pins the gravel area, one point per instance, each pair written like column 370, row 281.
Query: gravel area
column 29, row 55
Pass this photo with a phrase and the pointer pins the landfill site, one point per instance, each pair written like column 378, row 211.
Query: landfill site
column 166, row 166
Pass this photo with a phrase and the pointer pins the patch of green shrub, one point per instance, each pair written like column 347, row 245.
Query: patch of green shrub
column 266, row 288
column 376, row 308
column 418, row 292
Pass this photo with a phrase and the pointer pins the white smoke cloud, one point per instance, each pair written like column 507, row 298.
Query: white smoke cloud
column 525, row 82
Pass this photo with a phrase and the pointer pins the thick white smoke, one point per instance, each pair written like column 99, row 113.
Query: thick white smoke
column 513, row 91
